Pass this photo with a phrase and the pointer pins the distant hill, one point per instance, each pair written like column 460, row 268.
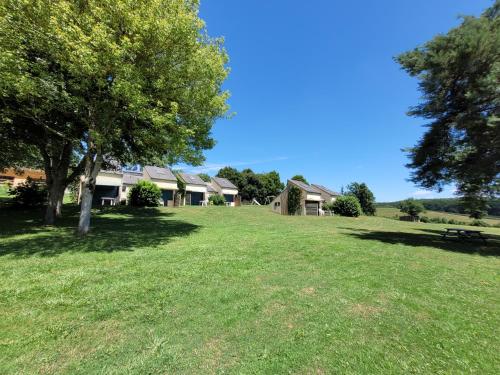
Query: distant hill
column 450, row 205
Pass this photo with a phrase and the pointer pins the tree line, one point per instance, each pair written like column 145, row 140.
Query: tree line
column 259, row 186
column 450, row 205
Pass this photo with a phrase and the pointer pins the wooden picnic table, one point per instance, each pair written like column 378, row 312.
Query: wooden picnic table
column 464, row 233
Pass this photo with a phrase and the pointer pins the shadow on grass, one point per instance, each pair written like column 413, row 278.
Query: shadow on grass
column 112, row 229
column 431, row 238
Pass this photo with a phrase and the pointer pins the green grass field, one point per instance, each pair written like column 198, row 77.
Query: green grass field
column 243, row 290
column 4, row 191
column 392, row 212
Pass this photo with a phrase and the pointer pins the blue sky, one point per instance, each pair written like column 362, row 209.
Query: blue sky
column 315, row 89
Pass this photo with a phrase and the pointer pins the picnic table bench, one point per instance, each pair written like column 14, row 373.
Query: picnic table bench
column 464, row 233
column 110, row 200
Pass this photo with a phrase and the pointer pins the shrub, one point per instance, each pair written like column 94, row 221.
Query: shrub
column 424, row 219
column 144, row 194
column 217, row 200
column 29, row 194
column 347, row 205
column 328, row 206
column 293, row 200
column 411, row 207
column 479, row 223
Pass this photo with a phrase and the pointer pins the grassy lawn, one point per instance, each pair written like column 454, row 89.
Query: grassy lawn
column 392, row 212
column 214, row 290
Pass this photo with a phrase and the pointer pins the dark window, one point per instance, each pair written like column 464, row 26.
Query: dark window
column 103, row 191
column 167, row 195
column 196, row 198
column 229, row 198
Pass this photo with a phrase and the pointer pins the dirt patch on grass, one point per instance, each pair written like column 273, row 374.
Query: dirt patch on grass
column 309, row 291
column 274, row 308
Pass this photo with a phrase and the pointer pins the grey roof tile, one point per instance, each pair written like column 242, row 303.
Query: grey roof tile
column 326, row 190
column 306, row 187
column 159, row 173
column 210, row 188
column 224, row 183
column 192, row 179
column 131, row 178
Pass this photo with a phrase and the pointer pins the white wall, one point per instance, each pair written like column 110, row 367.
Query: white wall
column 196, row 188
column 165, row 185
column 109, row 179
column 229, row 191
column 313, row 197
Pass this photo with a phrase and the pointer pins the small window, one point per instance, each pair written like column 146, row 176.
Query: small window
column 277, row 204
column 124, row 188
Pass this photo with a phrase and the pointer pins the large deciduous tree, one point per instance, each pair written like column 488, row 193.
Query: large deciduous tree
column 365, row 197
column 459, row 77
column 251, row 185
column 36, row 110
column 140, row 81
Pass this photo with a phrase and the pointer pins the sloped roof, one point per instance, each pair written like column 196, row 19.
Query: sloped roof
column 131, row 178
column 326, row 190
column 210, row 188
column 306, row 187
column 160, row 173
column 224, row 183
column 192, row 179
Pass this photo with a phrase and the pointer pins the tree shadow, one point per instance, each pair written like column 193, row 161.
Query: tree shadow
column 431, row 238
column 113, row 229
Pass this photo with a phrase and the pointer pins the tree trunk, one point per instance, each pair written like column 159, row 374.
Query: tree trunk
column 92, row 167
column 54, row 201
column 60, row 200
column 57, row 159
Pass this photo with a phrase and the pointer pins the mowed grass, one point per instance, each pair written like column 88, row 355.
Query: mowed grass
column 392, row 212
column 243, row 290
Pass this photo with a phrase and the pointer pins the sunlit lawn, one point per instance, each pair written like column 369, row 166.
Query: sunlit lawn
column 243, row 290
column 393, row 212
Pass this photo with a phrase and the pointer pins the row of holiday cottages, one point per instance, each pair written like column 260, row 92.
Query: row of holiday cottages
column 112, row 187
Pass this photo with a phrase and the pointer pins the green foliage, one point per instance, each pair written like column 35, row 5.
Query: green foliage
column 217, row 200
column 142, row 78
column 347, row 205
column 294, row 197
column 74, row 187
column 181, row 187
column 479, row 223
column 205, row 177
column 299, row 177
column 476, row 206
column 233, row 175
column 365, row 197
column 144, row 194
column 459, row 75
column 411, row 207
column 253, row 185
column 328, row 206
column 29, row 194
column 270, row 186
